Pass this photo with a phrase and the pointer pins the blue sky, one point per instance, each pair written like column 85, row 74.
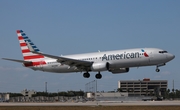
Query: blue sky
column 80, row 26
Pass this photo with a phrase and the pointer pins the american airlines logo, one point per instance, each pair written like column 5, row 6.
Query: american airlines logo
column 145, row 54
column 121, row 56
column 124, row 55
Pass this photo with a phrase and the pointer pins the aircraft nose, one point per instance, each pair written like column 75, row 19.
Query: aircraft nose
column 171, row 56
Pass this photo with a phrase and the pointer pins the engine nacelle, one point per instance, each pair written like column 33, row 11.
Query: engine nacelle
column 100, row 66
column 119, row 70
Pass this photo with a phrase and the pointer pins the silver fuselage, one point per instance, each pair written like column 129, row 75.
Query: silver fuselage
column 117, row 59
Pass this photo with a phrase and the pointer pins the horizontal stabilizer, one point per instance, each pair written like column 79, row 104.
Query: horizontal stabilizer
column 20, row 61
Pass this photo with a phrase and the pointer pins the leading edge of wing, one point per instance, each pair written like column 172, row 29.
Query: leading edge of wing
column 67, row 61
column 64, row 60
column 15, row 60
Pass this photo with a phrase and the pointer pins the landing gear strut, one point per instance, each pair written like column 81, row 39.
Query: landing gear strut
column 98, row 76
column 157, row 67
column 86, row 75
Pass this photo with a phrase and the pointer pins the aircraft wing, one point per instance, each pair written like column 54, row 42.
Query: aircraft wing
column 68, row 61
column 15, row 60
column 80, row 64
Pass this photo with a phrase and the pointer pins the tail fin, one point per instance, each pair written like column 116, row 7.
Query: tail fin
column 27, row 54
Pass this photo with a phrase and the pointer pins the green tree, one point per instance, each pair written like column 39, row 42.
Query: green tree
column 177, row 93
column 166, row 95
column 119, row 90
column 15, row 94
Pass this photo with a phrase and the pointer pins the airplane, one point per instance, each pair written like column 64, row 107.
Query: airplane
column 117, row 61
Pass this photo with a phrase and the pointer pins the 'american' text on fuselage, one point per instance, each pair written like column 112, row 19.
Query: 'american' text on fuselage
column 121, row 56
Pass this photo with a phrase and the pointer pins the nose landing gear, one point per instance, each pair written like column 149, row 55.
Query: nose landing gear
column 157, row 67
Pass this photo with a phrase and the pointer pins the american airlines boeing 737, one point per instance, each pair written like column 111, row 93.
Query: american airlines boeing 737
column 118, row 61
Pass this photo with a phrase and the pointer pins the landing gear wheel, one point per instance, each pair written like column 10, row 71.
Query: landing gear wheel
column 86, row 75
column 157, row 70
column 98, row 76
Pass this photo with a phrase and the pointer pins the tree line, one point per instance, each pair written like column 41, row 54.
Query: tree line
column 48, row 94
column 172, row 94
column 168, row 94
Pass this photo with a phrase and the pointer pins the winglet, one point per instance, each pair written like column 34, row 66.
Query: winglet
column 30, row 47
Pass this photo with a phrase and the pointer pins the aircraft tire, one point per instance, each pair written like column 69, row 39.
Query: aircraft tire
column 86, row 75
column 98, row 76
column 157, row 70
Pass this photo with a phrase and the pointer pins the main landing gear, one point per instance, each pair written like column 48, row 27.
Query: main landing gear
column 87, row 75
column 98, row 76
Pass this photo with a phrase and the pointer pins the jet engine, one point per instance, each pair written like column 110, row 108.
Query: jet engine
column 119, row 70
column 100, row 66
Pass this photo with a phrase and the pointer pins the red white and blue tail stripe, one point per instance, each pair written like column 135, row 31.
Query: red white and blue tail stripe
column 27, row 54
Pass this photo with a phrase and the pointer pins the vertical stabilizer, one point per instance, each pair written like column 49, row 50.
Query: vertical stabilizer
column 27, row 54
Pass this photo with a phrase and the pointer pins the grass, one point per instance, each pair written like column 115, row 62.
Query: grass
column 89, row 108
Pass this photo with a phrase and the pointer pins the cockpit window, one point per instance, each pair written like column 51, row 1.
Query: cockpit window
column 163, row 51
